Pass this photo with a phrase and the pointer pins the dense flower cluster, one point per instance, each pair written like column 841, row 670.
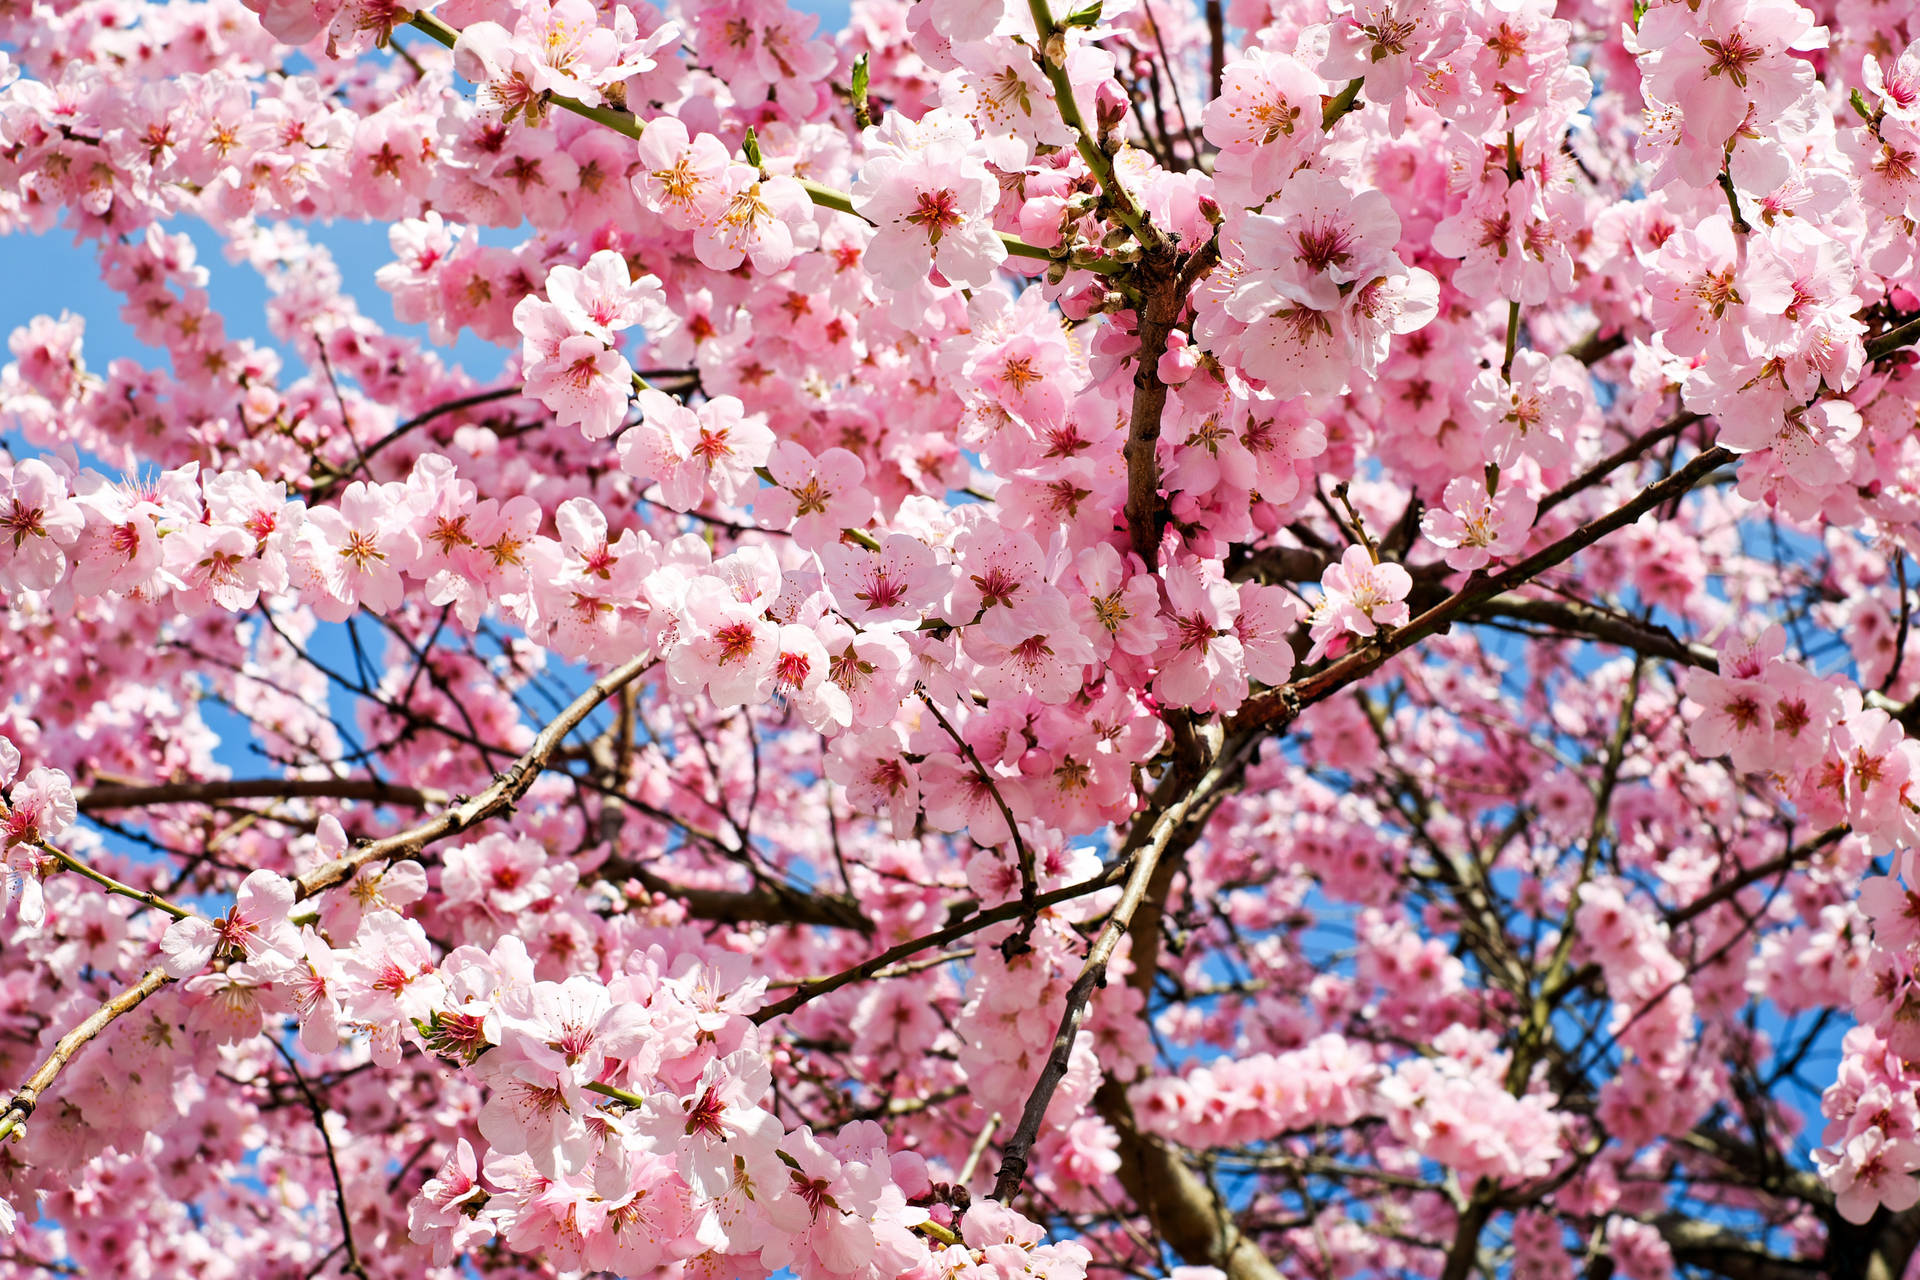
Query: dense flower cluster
column 1273, row 634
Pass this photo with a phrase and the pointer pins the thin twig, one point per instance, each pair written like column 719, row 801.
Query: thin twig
column 1148, row 844
column 938, row 938
column 1029, row 874
column 353, row 1266
column 1275, row 708
column 27, row 1096
column 978, row 1149
column 1906, row 621
column 507, row 789
column 142, row 896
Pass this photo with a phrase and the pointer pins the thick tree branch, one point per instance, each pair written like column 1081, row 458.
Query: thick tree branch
column 768, row 904
column 117, row 795
column 1185, row 1213
column 1727, row 1252
column 1146, row 512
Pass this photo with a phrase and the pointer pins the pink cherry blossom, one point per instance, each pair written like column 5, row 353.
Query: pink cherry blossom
column 1476, row 529
column 1359, row 596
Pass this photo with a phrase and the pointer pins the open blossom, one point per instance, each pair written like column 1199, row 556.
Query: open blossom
column 1802, row 309
column 891, row 586
column 728, row 646
column 1476, row 529
column 39, row 807
column 1390, row 41
column 932, row 199
column 1035, row 644
column 554, row 47
column 816, row 497
column 1722, row 62
column 1870, row 1172
column 1361, row 596
column 1264, row 627
column 355, row 550
column 764, row 220
column 388, row 979
column 570, row 364
column 1115, row 608
column 1698, row 296
column 444, row 1210
column 602, row 298
column 216, row 562
column 1201, row 663
column 717, row 1122
column 1267, row 116
column 1533, row 413
column 877, row 777
column 1318, row 236
column 37, row 519
column 997, row 568
column 680, row 177
column 693, row 452
column 257, row 928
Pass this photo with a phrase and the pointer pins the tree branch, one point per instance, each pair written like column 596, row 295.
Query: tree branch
column 1148, row 844
column 27, row 1096
column 507, row 789
column 139, row 796
column 938, row 938
column 1146, row 513
column 1276, row 708
column 353, row 1265
column 1029, row 883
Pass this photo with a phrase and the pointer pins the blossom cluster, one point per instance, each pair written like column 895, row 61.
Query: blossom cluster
column 1047, row 603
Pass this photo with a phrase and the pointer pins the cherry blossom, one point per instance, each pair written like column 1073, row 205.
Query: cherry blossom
column 1259, row 639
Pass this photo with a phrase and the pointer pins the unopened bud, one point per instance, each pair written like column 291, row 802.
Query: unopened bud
column 1109, row 106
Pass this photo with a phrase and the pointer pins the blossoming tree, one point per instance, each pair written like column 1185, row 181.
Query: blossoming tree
column 1269, row 638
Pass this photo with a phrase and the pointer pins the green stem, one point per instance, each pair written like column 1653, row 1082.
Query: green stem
column 111, row 885
column 829, row 198
column 618, row 1095
column 1124, row 206
column 439, row 30
column 1347, row 99
column 1513, row 341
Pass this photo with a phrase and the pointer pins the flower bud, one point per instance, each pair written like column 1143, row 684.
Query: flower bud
column 1109, row 106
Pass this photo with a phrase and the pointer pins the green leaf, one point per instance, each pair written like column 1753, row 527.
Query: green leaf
column 862, row 113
